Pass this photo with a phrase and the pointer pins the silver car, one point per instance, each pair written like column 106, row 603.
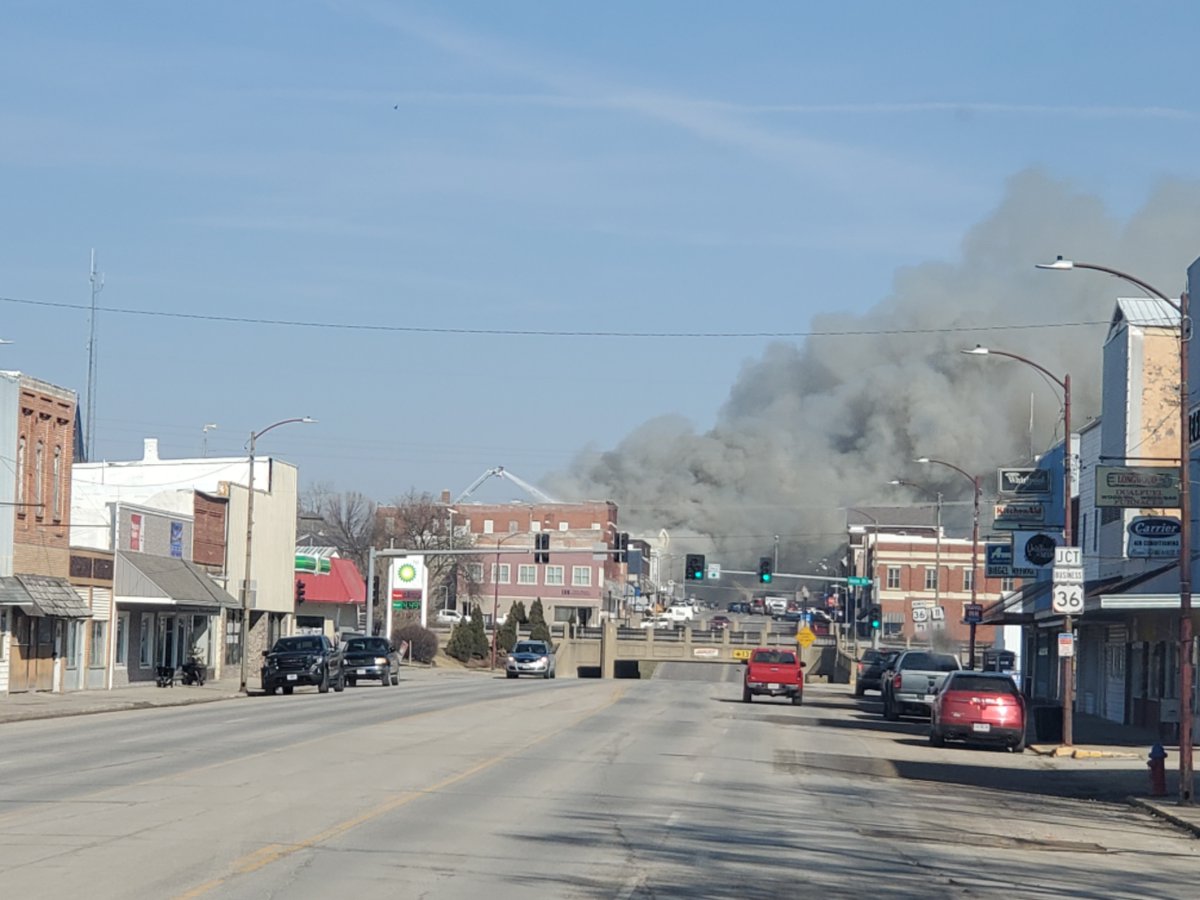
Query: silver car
column 530, row 658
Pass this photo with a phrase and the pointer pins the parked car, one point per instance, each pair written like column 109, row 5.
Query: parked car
column 680, row 613
column 774, row 672
column 871, row 666
column 737, row 606
column 303, row 659
column 657, row 622
column 370, row 657
column 448, row 617
column 917, row 677
column 979, row 706
column 530, row 658
column 719, row 623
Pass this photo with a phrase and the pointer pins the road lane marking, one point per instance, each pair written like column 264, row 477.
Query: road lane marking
column 207, row 767
column 271, row 853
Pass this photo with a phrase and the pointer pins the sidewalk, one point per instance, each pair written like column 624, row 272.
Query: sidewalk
column 25, row 707
column 1185, row 817
column 1097, row 738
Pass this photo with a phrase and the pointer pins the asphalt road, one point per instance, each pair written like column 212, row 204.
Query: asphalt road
column 468, row 786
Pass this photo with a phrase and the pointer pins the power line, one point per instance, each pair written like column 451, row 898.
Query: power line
column 530, row 332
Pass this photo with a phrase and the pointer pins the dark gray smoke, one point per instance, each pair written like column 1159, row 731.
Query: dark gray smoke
column 808, row 430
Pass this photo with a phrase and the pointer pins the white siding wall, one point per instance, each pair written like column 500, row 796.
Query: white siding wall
column 1114, row 439
column 1089, row 515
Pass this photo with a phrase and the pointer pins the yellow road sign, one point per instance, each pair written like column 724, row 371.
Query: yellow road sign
column 805, row 637
column 741, row 654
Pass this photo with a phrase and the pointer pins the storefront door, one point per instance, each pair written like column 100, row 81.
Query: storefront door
column 44, row 653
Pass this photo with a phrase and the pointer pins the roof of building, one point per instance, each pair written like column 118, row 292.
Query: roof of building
column 179, row 580
column 1144, row 312
column 43, row 595
column 343, row 584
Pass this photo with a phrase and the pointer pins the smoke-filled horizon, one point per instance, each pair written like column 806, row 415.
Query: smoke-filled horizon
column 811, row 428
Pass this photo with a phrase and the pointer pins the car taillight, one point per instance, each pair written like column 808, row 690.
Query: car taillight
column 896, row 679
column 860, row 668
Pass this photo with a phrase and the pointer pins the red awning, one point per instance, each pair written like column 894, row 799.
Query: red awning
column 343, row 584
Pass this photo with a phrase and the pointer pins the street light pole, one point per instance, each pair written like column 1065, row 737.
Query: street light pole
column 496, row 595
column 870, row 558
column 246, row 580
column 1068, row 676
column 937, row 552
column 975, row 485
column 1186, row 694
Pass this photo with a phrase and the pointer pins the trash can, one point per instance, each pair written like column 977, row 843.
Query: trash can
column 1047, row 724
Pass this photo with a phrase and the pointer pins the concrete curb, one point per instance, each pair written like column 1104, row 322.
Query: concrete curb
column 35, row 715
column 1060, row 752
column 1157, row 810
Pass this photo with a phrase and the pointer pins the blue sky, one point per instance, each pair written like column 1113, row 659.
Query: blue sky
column 674, row 166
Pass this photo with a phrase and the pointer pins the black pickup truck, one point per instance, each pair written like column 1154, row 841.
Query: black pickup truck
column 303, row 659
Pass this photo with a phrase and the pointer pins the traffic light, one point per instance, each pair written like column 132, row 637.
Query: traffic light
column 299, row 590
column 541, row 547
column 876, row 618
column 695, row 567
column 764, row 570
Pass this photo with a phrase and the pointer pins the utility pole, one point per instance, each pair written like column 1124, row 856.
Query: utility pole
column 89, row 425
column 775, row 568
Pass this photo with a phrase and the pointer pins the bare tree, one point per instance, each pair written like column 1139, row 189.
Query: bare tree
column 345, row 520
column 418, row 522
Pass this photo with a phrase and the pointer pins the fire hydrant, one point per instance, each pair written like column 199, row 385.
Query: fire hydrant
column 1158, row 771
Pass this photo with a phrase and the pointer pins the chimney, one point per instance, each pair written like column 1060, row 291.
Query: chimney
column 445, row 497
column 150, row 450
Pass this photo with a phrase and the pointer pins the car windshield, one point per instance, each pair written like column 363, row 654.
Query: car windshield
column 783, row 657
column 298, row 645
column 529, row 647
column 930, row 662
column 367, row 645
column 981, row 684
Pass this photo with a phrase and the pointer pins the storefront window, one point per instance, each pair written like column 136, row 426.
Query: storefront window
column 98, row 646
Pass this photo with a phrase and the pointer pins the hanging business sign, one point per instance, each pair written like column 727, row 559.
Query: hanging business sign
column 999, row 559
column 1154, row 536
column 1033, row 553
column 1023, row 481
column 1137, row 487
column 1019, row 514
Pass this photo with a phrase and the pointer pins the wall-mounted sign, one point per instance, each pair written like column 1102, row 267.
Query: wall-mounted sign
column 1024, row 481
column 177, row 540
column 1154, row 536
column 1033, row 553
column 1137, row 487
column 135, row 532
column 999, row 560
column 1019, row 514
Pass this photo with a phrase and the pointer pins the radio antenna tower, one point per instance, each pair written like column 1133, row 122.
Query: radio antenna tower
column 89, row 427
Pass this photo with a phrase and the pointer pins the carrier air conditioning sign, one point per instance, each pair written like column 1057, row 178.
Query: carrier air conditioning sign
column 1154, row 536
column 1024, row 481
column 1137, row 487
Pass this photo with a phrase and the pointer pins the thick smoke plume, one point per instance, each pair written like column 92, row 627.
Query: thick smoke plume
column 811, row 429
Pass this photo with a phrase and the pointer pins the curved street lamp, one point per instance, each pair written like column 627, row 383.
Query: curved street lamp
column 496, row 594
column 1064, row 383
column 937, row 552
column 974, row 479
column 1186, row 693
column 246, row 580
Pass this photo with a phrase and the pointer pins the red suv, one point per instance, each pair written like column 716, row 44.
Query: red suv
column 978, row 706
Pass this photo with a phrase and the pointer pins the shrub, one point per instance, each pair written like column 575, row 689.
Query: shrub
column 518, row 614
column 461, row 642
column 507, row 635
column 481, row 647
column 538, row 629
column 422, row 643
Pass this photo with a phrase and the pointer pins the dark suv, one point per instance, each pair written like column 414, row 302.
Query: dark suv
column 303, row 659
column 871, row 667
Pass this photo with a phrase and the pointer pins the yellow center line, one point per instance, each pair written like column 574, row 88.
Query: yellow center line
column 271, row 853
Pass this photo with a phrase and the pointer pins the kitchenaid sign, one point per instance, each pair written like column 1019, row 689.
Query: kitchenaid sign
column 1154, row 536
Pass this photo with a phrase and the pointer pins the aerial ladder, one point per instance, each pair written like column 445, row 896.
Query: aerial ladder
column 501, row 472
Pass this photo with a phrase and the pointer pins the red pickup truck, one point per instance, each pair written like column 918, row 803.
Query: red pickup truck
column 776, row 672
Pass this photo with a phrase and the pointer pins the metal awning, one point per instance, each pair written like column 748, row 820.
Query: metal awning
column 43, row 595
column 142, row 578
